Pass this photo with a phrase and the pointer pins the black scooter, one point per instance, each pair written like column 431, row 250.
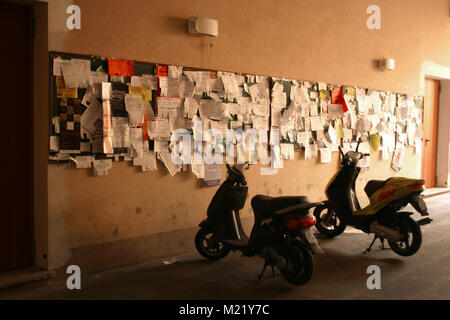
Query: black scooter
column 281, row 233
column 382, row 216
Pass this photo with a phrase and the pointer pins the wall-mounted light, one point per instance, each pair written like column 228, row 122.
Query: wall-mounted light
column 204, row 26
column 386, row 64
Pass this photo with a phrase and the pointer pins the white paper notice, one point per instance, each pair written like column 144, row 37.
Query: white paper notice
column 212, row 110
column 310, row 151
column 260, row 122
column 384, row 153
column 54, row 143
column 186, row 89
column 278, row 99
column 120, row 132
column 159, row 129
column 316, row 124
column 287, row 151
column 213, row 174
column 137, row 142
column 91, row 115
column 348, row 135
column 259, row 93
column 57, row 63
column 97, row 77
column 166, row 159
column 161, row 145
column 304, row 95
column 149, row 81
column 230, row 84
column 399, row 156
column 133, row 102
column 364, row 147
column 261, row 110
column 147, row 161
column 331, row 134
column 388, row 141
column 175, row 71
column 137, row 81
column 168, row 107
column 83, row 162
column 303, row 138
column 56, row 124
column 322, row 86
column 335, row 111
column 101, row 167
column 220, row 126
column 170, row 87
column 77, row 73
column 325, row 155
column 135, row 108
column 198, row 170
column 363, row 125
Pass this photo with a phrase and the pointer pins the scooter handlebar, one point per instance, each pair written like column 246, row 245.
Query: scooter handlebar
column 342, row 152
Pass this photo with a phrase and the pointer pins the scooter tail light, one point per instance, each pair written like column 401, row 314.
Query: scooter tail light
column 292, row 224
column 306, row 222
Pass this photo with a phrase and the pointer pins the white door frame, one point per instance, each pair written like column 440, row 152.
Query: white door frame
column 433, row 70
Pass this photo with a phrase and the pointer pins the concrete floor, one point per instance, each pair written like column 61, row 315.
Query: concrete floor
column 339, row 274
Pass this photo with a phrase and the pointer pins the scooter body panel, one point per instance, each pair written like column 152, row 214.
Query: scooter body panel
column 394, row 189
column 341, row 194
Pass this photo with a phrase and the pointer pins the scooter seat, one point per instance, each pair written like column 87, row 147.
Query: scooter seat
column 265, row 206
column 374, row 185
column 302, row 208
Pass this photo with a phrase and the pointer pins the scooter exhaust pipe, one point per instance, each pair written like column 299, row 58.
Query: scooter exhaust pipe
column 385, row 232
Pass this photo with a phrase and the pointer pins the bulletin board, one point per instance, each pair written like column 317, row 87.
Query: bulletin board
column 106, row 109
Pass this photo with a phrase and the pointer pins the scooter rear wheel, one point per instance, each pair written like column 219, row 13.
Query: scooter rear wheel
column 412, row 239
column 299, row 264
column 328, row 223
column 209, row 246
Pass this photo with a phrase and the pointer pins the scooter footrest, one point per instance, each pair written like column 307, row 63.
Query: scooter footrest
column 237, row 243
column 424, row 221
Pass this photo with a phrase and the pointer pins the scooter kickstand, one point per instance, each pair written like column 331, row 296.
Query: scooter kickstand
column 260, row 276
column 370, row 247
column 382, row 243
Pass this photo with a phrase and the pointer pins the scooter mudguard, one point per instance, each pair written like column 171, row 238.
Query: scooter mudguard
column 205, row 224
column 420, row 222
column 308, row 239
column 394, row 189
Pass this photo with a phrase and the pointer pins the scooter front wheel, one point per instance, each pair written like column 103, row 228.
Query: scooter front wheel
column 299, row 264
column 328, row 223
column 209, row 246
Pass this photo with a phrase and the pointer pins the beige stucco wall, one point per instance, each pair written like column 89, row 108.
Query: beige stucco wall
column 307, row 40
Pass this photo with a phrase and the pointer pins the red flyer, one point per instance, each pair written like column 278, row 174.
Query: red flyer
column 118, row 67
column 337, row 97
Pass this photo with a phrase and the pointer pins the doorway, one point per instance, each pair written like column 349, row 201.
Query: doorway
column 430, row 131
column 16, row 215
